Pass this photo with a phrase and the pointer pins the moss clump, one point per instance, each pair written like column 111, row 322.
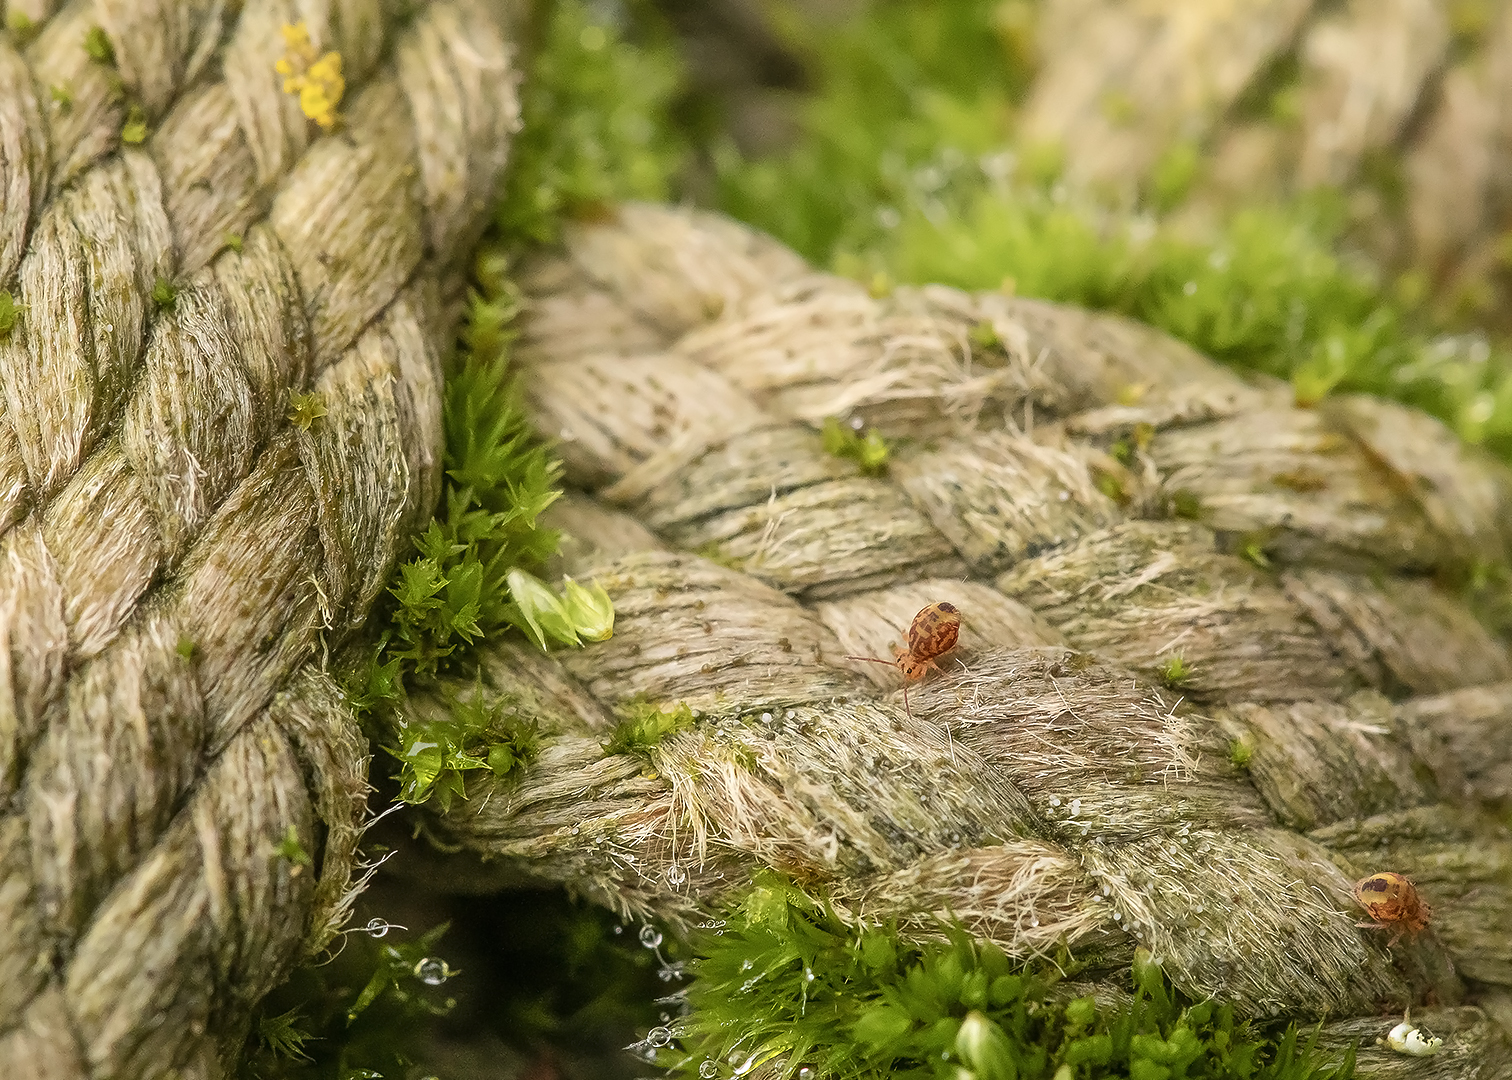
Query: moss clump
column 476, row 733
column 791, row 985
column 305, row 409
column 1175, row 672
column 596, row 129
column 134, row 133
column 645, row 725
column 10, row 313
column 164, row 293
column 868, row 450
column 98, row 46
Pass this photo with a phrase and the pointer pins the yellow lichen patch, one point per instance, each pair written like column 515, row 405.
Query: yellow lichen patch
column 317, row 81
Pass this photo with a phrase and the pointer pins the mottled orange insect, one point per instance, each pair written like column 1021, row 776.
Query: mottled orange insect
column 931, row 635
column 1393, row 903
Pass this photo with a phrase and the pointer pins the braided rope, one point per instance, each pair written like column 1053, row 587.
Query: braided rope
column 1046, row 787
column 174, row 553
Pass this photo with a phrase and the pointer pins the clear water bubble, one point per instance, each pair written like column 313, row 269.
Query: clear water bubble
column 676, row 875
column 618, row 930
column 650, row 936
column 377, row 927
column 659, row 1036
column 709, row 1069
column 432, row 971
column 805, row 1073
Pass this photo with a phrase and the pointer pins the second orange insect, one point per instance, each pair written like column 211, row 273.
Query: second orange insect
column 932, row 634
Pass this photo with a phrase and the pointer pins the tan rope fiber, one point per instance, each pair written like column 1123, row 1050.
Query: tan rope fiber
column 176, row 557
column 1342, row 713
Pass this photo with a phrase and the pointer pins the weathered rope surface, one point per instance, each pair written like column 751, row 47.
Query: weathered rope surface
column 1048, row 787
column 176, row 557
column 1119, row 85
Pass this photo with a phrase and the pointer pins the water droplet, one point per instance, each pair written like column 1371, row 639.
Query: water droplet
column 857, row 423
column 650, row 936
column 709, row 1069
column 805, row 1073
column 1055, row 800
column 431, row 971
column 766, row 718
column 668, row 972
column 666, row 1018
column 377, row 927
column 619, row 930
column 676, row 875
column 659, row 1036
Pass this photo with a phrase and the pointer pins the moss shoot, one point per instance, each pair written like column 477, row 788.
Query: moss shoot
column 790, row 985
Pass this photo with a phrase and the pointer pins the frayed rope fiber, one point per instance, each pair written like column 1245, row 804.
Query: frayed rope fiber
column 176, row 554
column 1206, row 678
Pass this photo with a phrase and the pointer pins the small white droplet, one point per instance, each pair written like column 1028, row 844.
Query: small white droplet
column 1055, row 800
column 650, row 937
column 431, row 971
column 377, row 927
column 659, row 1036
column 709, row 1069
column 766, row 718
column 1190, row 288
column 805, row 1073
column 676, row 875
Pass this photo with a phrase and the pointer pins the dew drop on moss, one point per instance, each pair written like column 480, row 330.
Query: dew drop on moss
column 650, row 936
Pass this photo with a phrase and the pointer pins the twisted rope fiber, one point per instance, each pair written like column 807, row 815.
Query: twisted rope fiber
column 176, row 558
column 1048, row 788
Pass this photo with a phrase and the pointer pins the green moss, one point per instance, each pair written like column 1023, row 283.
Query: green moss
column 789, row 984
column 305, row 409
column 134, row 130
column 715, row 552
column 1241, row 751
column 98, row 46
column 644, row 726
column 870, row 451
column 1175, row 672
column 62, row 96
column 20, row 26
column 289, row 848
column 477, row 732
column 1186, row 504
column 10, row 313
column 164, row 294
column 233, row 241
column 595, row 125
